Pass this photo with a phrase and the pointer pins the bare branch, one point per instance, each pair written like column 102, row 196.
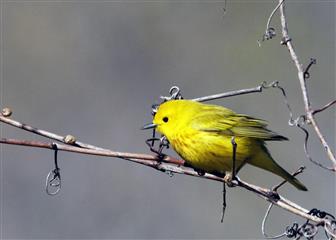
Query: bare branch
column 167, row 164
column 41, row 132
column 263, row 85
column 324, row 107
column 301, row 75
column 176, row 166
column 104, row 152
column 229, row 94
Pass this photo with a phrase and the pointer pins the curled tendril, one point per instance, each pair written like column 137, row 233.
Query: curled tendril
column 269, row 34
column 330, row 229
column 307, row 230
column 155, row 108
column 270, row 31
column 291, row 122
column 266, row 85
column 163, row 143
column 306, row 73
column 53, row 182
column 175, row 93
column 292, row 231
column 299, row 121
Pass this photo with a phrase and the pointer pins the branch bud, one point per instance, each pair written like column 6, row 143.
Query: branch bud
column 69, row 139
column 6, row 112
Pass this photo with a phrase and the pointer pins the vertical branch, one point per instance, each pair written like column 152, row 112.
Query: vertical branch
column 309, row 111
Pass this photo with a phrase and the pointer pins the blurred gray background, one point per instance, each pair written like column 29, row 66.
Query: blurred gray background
column 93, row 69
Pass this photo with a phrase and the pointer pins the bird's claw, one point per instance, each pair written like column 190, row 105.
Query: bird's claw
column 228, row 178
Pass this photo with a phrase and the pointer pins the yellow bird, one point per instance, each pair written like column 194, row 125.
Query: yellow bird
column 201, row 134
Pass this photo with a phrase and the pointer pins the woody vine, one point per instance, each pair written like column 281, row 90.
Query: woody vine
column 314, row 219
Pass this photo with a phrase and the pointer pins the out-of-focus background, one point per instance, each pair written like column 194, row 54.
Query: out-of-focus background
column 93, row 69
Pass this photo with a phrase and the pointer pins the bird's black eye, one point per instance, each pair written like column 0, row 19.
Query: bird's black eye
column 165, row 119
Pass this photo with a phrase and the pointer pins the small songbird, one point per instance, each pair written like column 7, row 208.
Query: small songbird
column 201, row 134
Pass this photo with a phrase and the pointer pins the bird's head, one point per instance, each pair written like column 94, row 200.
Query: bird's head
column 171, row 116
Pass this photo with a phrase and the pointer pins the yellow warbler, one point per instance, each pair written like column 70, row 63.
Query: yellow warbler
column 201, row 134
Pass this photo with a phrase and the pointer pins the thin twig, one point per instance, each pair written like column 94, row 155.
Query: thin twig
column 174, row 165
column 272, row 14
column 229, row 94
column 97, row 152
column 309, row 112
column 324, row 107
column 167, row 164
column 300, row 170
column 43, row 133
column 263, row 85
column 269, row 32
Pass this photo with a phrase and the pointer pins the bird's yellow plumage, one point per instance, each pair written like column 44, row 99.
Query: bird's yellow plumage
column 202, row 133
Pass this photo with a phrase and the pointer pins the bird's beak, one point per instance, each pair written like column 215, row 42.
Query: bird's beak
column 149, row 126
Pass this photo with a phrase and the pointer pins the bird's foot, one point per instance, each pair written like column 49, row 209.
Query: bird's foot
column 228, row 178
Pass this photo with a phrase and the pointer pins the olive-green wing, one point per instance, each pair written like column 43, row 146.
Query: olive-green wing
column 223, row 121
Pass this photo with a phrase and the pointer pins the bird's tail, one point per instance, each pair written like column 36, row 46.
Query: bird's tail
column 264, row 160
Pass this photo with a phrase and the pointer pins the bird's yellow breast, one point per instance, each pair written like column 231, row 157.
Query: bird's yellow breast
column 210, row 152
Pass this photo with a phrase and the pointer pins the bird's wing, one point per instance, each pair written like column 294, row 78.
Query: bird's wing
column 225, row 122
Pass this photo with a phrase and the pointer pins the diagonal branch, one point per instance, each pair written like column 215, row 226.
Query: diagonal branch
column 171, row 164
column 324, row 107
column 166, row 164
column 301, row 75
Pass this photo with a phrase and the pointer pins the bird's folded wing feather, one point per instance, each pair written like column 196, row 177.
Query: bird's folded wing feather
column 225, row 122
